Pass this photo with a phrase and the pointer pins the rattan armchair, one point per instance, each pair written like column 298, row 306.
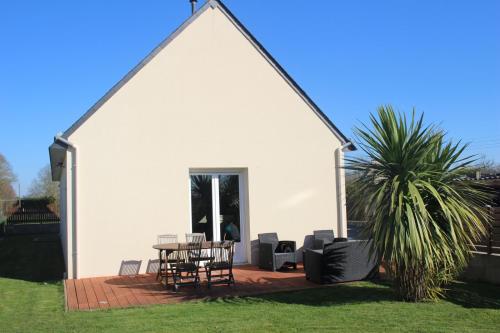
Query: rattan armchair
column 325, row 237
column 341, row 262
column 275, row 254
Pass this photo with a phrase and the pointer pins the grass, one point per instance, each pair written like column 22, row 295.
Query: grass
column 28, row 304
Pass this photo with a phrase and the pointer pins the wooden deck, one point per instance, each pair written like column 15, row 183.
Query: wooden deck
column 141, row 290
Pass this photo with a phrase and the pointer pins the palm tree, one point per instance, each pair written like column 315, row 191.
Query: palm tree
column 423, row 214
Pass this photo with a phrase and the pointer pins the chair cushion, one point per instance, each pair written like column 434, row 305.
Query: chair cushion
column 283, row 258
column 284, row 248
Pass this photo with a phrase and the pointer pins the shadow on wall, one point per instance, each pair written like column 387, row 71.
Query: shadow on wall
column 153, row 266
column 254, row 249
column 308, row 244
column 483, row 268
column 254, row 252
column 130, row 267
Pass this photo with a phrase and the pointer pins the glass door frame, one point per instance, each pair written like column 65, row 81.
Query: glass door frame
column 215, row 174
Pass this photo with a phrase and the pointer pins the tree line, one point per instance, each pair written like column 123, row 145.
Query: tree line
column 41, row 187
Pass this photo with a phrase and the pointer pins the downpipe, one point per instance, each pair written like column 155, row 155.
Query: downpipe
column 74, row 248
column 341, row 208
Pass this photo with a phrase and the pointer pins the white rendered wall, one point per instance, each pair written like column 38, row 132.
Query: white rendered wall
column 209, row 100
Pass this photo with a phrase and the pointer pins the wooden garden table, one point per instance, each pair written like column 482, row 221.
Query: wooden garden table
column 168, row 248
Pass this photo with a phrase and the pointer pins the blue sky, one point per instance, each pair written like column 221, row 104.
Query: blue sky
column 441, row 57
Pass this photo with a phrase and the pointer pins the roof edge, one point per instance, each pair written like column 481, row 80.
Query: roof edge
column 273, row 62
column 137, row 68
column 343, row 139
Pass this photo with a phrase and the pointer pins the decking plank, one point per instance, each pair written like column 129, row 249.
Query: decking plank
column 144, row 289
column 102, row 299
column 81, row 296
column 71, row 295
column 135, row 289
column 125, row 291
column 91, row 296
column 118, row 291
column 154, row 288
column 108, row 291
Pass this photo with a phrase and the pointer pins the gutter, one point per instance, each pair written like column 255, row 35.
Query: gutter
column 341, row 208
column 347, row 146
column 60, row 139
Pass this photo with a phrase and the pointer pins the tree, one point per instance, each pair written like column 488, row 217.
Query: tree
column 7, row 177
column 487, row 167
column 43, row 186
column 352, row 213
column 423, row 213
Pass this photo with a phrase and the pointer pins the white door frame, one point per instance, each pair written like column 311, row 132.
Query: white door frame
column 216, row 209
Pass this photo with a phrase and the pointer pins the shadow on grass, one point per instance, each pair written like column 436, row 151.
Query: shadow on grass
column 31, row 258
column 465, row 294
column 339, row 294
column 38, row 258
column 474, row 295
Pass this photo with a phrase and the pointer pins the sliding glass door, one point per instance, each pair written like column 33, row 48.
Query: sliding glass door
column 202, row 205
column 216, row 209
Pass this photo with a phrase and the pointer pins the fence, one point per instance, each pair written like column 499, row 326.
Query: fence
column 7, row 208
column 31, row 216
column 355, row 229
column 491, row 243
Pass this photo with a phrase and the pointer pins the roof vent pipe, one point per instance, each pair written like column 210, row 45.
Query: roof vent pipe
column 193, row 6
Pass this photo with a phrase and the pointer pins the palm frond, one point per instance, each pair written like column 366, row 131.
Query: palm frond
column 424, row 216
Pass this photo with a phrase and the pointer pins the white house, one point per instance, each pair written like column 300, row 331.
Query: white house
column 207, row 131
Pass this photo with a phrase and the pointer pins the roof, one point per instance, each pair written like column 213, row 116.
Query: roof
column 211, row 4
column 246, row 33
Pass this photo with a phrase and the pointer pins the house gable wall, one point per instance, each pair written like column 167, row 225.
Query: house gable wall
column 209, row 100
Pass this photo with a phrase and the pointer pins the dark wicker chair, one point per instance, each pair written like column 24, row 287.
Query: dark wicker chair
column 185, row 270
column 219, row 269
column 325, row 237
column 321, row 238
column 340, row 262
column 275, row 254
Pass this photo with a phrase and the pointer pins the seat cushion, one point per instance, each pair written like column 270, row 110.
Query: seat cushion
column 284, row 248
column 286, row 257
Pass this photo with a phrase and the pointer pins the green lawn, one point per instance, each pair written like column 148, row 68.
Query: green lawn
column 28, row 305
